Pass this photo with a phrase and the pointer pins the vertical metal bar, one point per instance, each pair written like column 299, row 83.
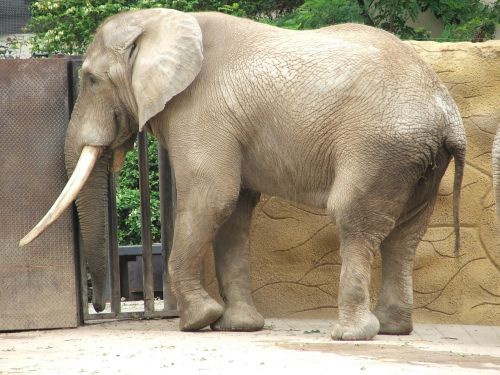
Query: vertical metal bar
column 167, row 218
column 147, row 251
column 73, row 65
column 114, row 259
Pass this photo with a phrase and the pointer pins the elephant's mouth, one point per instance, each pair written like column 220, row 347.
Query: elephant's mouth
column 86, row 162
column 120, row 151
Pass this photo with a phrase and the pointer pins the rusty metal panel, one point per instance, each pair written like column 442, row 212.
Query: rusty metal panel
column 39, row 282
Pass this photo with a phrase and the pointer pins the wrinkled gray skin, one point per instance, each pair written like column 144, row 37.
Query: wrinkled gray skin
column 345, row 118
column 495, row 154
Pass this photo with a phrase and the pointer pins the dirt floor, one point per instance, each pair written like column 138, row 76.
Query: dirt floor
column 296, row 346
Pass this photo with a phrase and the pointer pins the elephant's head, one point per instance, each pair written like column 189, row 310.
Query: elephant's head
column 137, row 62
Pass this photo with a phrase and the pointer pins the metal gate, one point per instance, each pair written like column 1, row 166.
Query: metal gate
column 167, row 199
column 44, row 285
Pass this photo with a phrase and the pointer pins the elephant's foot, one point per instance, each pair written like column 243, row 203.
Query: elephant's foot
column 394, row 320
column 197, row 312
column 365, row 329
column 239, row 317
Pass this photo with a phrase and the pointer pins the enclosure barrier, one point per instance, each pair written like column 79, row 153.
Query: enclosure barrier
column 167, row 209
column 40, row 288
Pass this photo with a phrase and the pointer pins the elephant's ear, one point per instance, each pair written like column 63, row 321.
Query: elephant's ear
column 169, row 57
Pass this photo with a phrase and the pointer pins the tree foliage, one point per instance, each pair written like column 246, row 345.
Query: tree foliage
column 314, row 14
column 11, row 47
column 392, row 15
column 463, row 20
column 128, row 197
column 466, row 19
column 67, row 26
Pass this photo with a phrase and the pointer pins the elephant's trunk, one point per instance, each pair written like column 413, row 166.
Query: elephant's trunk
column 92, row 204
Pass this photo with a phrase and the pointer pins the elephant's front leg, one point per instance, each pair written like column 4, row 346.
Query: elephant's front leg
column 204, row 202
column 233, row 271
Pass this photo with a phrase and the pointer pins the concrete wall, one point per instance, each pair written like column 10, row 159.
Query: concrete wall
column 295, row 251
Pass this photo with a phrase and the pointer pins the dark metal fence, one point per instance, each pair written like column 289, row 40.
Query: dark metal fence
column 14, row 15
column 167, row 209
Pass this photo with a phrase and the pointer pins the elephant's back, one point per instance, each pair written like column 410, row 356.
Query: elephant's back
column 344, row 86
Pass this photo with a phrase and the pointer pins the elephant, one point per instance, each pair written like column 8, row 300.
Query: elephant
column 347, row 118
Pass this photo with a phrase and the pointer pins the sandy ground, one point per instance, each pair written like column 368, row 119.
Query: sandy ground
column 295, row 346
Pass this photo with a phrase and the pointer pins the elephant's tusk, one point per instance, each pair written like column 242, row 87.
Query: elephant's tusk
column 83, row 168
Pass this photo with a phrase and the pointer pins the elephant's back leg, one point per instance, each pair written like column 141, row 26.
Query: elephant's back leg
column 208, row 184
column 365, row 201
column 395, row 299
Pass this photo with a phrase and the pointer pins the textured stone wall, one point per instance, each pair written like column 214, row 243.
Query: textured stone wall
column 295, row 251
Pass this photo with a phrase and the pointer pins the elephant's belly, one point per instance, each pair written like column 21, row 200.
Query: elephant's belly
column 290, row 181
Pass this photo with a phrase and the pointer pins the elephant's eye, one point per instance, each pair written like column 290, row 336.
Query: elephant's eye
column 92, row 79
column 132, row 49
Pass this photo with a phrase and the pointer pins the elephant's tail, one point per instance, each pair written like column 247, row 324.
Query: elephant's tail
column 456, row 144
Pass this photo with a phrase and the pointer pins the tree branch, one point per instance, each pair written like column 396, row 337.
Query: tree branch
column 364, row 13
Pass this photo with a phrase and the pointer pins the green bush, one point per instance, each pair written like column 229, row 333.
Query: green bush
column 475, row 30
column 10, row 48
column 468, row 20
column 464, row 20
column 128, row 197
column 314, row 14
column 67, row 26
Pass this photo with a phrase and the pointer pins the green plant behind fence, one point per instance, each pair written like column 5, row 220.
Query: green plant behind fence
column 128, row 197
